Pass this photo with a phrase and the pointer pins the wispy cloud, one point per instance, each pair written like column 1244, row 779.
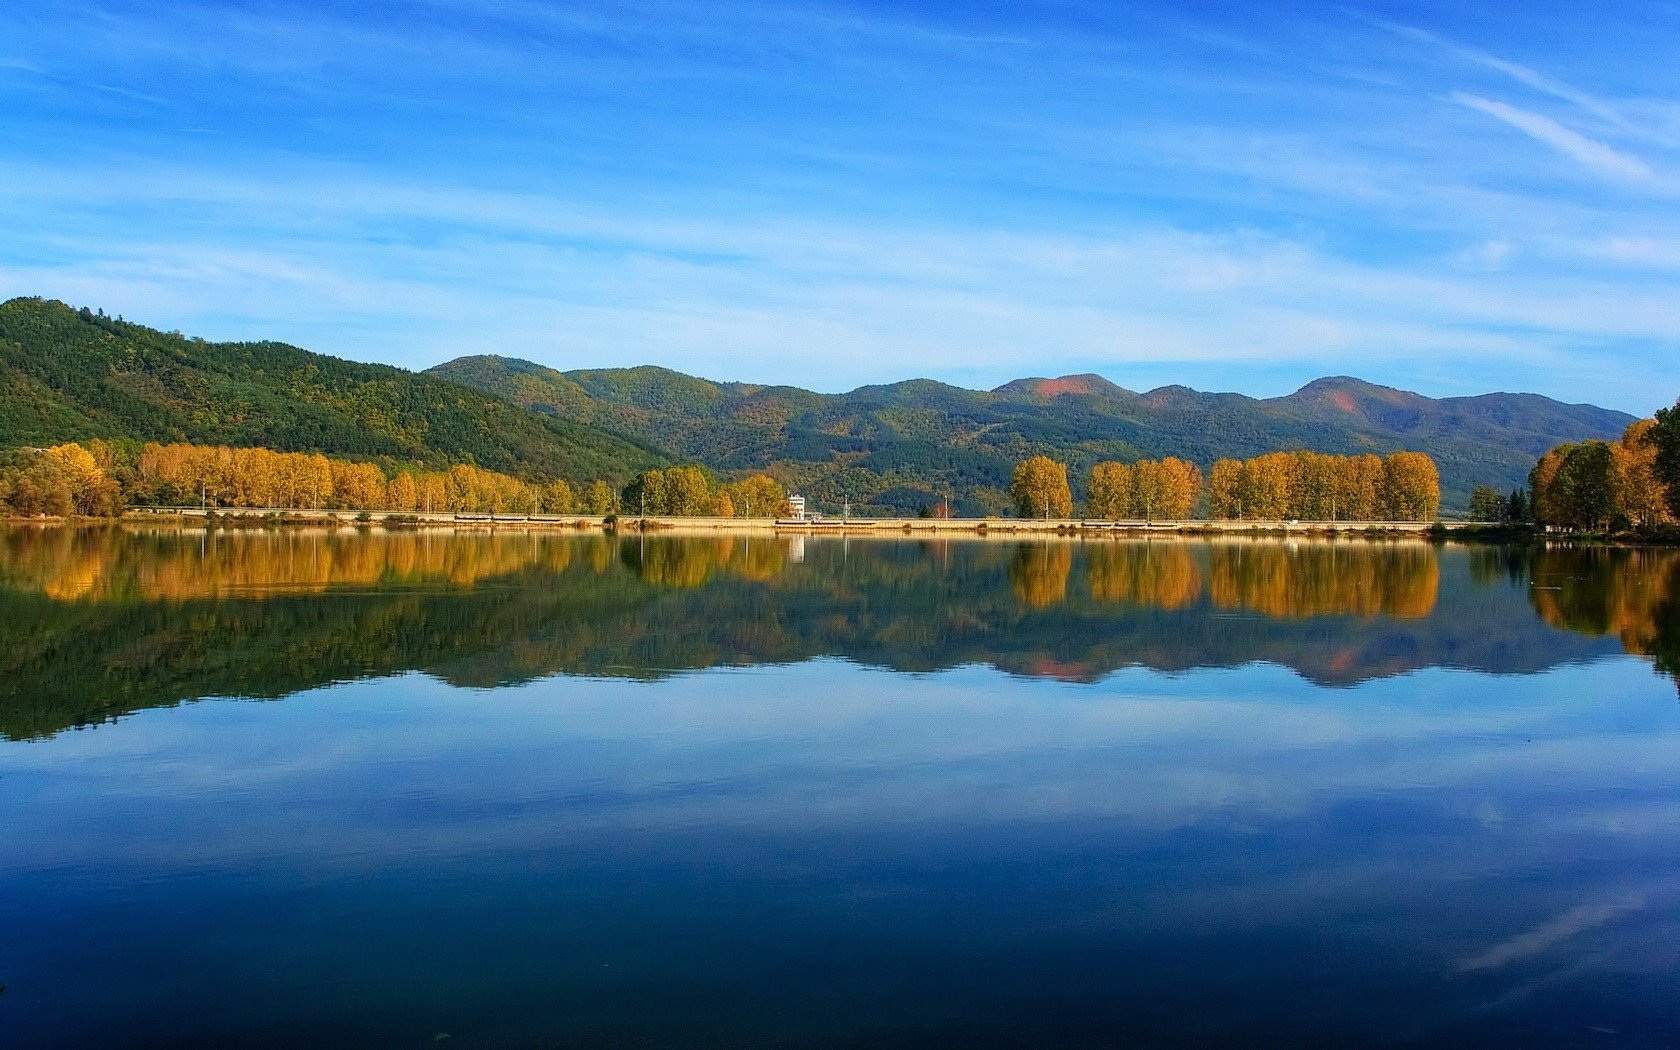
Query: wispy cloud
column 1522, row 74
column 1589, row 153
column 829, row 197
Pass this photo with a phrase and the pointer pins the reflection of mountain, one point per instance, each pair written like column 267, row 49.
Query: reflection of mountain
column 100, row 622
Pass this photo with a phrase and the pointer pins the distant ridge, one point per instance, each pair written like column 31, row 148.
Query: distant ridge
column 902, row 446
column 74, row 374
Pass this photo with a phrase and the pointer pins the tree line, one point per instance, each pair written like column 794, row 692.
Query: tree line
column 100, row 479
column 693, row 491
column 1597, row 486
column 1300, row 485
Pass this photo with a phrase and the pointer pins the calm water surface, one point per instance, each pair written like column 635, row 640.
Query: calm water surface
column 366, row 789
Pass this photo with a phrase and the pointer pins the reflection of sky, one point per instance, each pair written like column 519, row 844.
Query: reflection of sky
column 1467, row 849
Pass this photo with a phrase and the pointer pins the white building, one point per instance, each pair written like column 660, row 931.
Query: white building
column 796, row 506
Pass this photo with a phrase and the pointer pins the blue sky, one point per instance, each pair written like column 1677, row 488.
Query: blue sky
column 1448, row 197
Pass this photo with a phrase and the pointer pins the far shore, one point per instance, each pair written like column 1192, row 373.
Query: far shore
column 811, row 526
column 243, row 517
column 996, row 528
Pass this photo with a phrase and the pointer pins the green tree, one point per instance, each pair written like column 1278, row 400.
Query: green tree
column 1486, row 504
column 1665, row 435
column 1517, row 507
column 1587, row 486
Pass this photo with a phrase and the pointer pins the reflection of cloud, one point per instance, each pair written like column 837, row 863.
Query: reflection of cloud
column 729, row 750
column 1550, row 934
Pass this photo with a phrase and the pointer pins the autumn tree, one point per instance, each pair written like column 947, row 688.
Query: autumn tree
column 1359, row 481
column 1642, row 500
column 599, row 498
column 688, row 491
column 1411, row 487
column 1314, row 487
column 557, row 497
column 1040, row 489
column 401, row 493
column 1110, row 491
column 758, row 496
column 1542, row 488
column 1166, row 488
column 62, row 480
column 357, row 486
column 1225, row 489
column 1268, row 486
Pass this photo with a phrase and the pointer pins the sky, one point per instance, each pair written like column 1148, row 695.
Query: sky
column 1452, row 198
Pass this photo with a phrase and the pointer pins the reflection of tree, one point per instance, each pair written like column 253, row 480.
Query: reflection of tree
column 1039, row 573
column 1320, row 579
column 1163, row 575
column 1664, row 644
column 106, row 563
column 683, row 565
column 94, row 623
column 691, row 561
column 1628, row 593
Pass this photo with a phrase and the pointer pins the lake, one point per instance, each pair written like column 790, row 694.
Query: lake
column 359, row 788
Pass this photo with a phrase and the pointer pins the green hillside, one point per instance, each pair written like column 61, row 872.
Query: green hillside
column 904, row 445
column 74, row 374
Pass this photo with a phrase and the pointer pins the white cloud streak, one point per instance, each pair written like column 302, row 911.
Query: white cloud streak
column 1589, row 153
column 1522, row 74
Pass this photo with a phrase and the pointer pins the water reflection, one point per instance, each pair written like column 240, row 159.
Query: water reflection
column 101, row 621
column 1289, row 844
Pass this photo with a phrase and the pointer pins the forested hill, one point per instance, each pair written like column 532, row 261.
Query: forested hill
column 72, row 374
column 898, row 445
column 69, row 374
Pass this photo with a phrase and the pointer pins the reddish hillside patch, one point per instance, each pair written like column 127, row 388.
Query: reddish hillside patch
column 1344, row 401
column 1064, row 385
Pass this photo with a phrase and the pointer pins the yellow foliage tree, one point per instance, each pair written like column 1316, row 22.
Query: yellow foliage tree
column 1411, row 487
column 1225, row 489
column 758, row 496
column 1110, row 492
column 1040, row 489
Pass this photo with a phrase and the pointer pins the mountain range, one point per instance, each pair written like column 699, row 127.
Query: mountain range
column 900, row 446
column 71, row 374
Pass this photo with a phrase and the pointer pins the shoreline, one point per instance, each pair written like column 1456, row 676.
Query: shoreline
column 1002, row 528
column 829, row 526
